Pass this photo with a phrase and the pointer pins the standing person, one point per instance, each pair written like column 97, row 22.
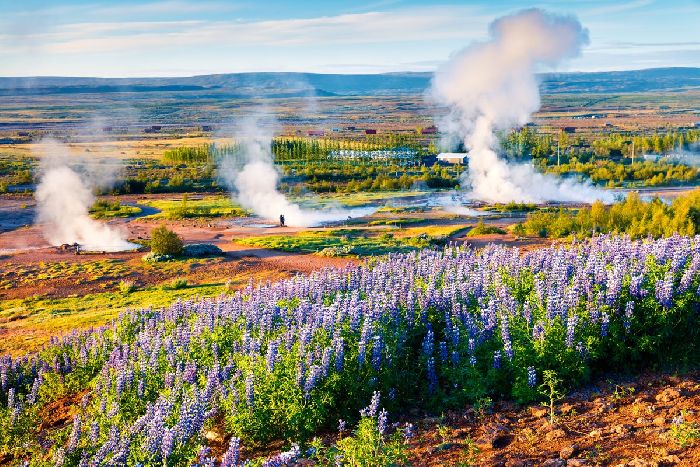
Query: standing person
column 281, row 220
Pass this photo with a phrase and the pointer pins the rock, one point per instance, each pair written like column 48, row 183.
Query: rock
column 566, row 408
column 201, row 250
column 595, row 434
column 576, row 462
column 555, row 434
column 659, row 421
column 213, row 436
column 638, row 462
column 668, row 395
column 443, row 447
column 494, row 441
column 554, row 462
column 568, row 452
column 622, row 429
column 670, row 460
column 538, row 411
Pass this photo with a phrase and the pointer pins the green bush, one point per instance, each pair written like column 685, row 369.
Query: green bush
column 165, row 242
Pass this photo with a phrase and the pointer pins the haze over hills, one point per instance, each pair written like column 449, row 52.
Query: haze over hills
column 286, row 84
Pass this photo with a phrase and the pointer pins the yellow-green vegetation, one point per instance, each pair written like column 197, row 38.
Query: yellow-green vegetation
column 186, row 207
column 104, row 209
column 400, row 222
column 633, row 217
column 356, row 242
column 483, row 229
column 14, row 275
column 646, row 173
column 27, row 323
column 511, row 207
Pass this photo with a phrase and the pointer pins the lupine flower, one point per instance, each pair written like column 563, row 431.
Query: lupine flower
column 381, row 421
column 531, row 376
column 232, row 455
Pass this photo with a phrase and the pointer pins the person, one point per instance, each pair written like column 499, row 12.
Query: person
column 77, row 248
column 282, row 220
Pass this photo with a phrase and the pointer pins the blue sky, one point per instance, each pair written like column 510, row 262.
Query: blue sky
column 189, row 37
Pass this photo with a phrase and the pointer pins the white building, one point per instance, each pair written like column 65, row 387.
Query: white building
column 452, row 157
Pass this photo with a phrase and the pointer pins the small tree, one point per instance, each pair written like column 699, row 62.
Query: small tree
column 165, row 242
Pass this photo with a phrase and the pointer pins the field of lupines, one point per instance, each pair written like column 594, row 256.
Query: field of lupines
column 431, row 329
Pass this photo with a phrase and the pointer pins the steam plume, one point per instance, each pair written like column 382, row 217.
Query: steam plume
column 64, row 197
column 491, row 86
column 253, row 182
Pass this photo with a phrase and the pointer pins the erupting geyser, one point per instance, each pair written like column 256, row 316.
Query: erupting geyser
column 254, row 185
column 491, row 86
column 63, row 200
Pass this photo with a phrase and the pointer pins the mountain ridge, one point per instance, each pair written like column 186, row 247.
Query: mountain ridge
column 299, row 84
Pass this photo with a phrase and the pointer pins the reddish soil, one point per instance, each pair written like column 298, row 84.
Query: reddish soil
column 627, row 424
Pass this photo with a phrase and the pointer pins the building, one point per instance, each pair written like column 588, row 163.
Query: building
column 430, row 130
column 452, row 157
column 315, row 133
column 396, row 154
column 697, row 124
column 370, row 131
column 569, row 129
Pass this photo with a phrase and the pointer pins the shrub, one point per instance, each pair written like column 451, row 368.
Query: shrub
column 165, row 242
column 483, row 229
column 126, row 287
column 176, row 284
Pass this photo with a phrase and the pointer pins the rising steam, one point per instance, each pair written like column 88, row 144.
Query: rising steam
column 253, row 181
column 491, row 86
column 64, row 196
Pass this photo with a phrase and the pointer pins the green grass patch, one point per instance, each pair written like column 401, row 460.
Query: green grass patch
column 103, row 209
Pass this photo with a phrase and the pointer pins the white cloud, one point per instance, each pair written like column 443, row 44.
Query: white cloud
column 421, row 24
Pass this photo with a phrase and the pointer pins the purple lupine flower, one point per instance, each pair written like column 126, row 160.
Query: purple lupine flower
column 250, row 389
column 232, row 455
column 341, row 425
column 604, row 323
column 432, row 375
column 74, row 435
column 381, row 421
column 497, row 359
column 409, row 431
column 167, row 444
column 571, row 329
column 531, row 376
column 371, row 409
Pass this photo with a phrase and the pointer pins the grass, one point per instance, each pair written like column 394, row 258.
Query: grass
column 204, row 207
column 360, row 198
column 13, row 275
column 356, row 242
column 397, row 222
column 103, row 209
column 28, row 323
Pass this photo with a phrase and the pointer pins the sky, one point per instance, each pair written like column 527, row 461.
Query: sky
column 193, row 37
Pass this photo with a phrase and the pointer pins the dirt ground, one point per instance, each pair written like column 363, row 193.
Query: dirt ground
column 626, row 422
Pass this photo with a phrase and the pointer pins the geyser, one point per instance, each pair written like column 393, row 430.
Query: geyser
column 64, row 197
column 491, row 86
column 253, row 182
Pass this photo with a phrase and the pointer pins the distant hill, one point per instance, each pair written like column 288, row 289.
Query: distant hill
column 275, row 84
